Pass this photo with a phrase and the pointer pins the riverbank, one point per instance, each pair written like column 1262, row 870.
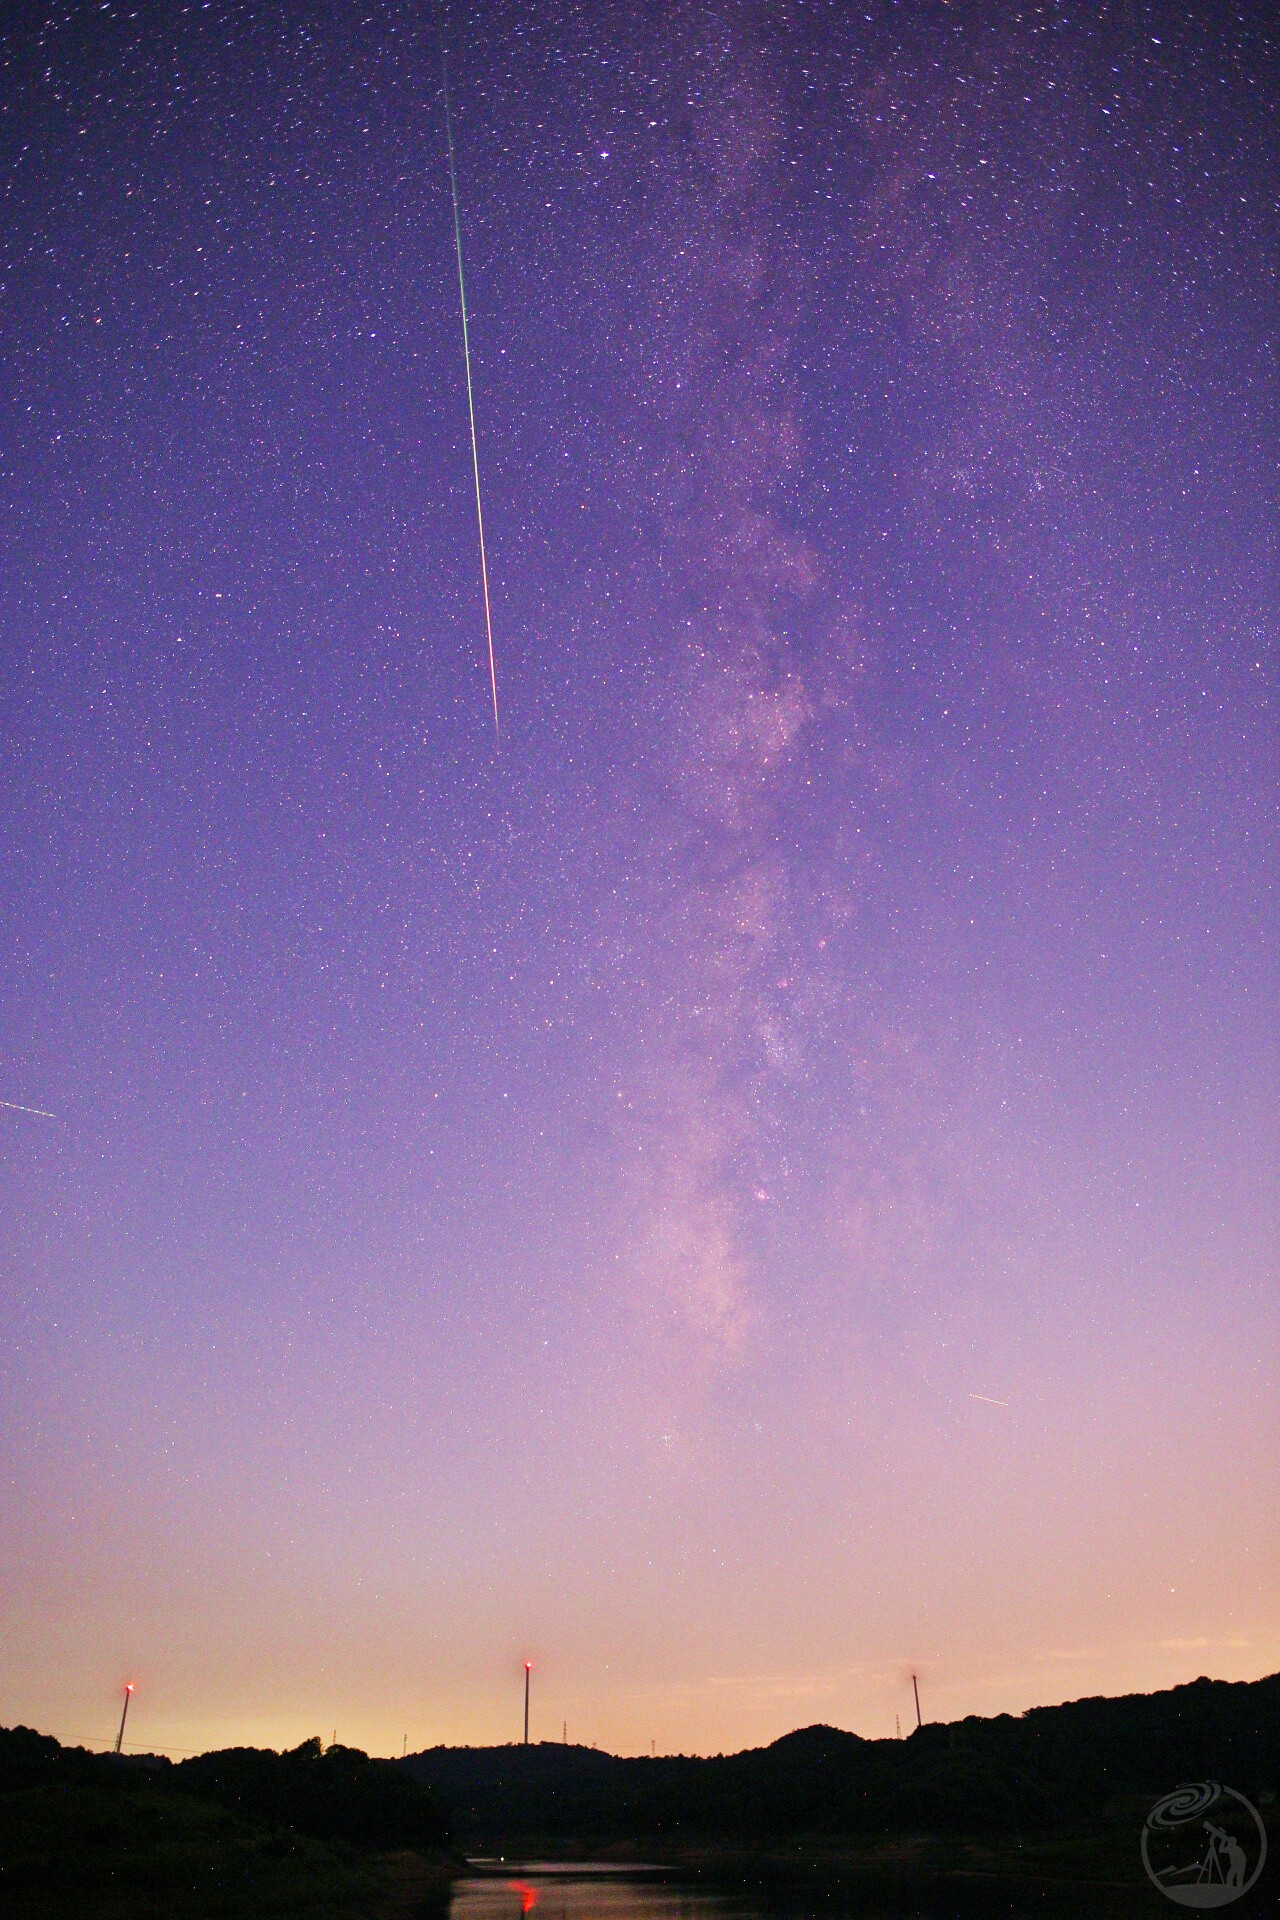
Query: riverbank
column 140, row 1851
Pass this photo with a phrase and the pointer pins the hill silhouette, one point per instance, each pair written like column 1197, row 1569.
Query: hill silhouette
column 1051, row 1799
column 331, row 1793
column 245, row 1832
column 1049, row 1768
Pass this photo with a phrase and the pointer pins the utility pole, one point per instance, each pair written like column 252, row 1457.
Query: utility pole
column 128, row 1692
column 527, row 1665
column 916, row 1689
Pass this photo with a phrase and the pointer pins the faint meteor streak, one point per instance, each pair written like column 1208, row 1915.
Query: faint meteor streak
column 13, row 1106
column 471, row 405
column 986, row 1398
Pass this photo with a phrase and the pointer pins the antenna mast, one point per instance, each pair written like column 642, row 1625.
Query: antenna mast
column 128, row 1695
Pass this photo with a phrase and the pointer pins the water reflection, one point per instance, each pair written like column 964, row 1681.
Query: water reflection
column 584, row 1893
column 763, row 1890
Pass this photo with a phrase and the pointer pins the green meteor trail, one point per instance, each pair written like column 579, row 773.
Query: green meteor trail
column 471, row 405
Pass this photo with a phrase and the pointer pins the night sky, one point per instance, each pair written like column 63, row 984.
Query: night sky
column 766, row 1180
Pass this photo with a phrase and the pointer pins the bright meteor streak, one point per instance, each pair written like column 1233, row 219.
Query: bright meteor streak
column 471, row 405
column 12, row 1106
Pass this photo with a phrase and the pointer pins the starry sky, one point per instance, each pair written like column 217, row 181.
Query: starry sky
column 764, row 1180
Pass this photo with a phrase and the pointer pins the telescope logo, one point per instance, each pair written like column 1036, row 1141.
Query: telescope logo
column 1204, row 1845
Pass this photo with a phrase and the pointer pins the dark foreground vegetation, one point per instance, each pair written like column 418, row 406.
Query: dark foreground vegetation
column 1042, row 1813
column 1036, row 1814
column 232, row 1834
column 1046, row 1769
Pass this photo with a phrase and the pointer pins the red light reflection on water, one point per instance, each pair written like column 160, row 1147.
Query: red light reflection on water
column 528, row 1894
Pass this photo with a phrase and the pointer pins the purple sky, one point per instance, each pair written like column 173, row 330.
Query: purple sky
column 769, row 1181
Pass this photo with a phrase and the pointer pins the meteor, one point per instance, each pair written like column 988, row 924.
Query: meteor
column 471, row 405
column 986, row 1398
column 12, row 1106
